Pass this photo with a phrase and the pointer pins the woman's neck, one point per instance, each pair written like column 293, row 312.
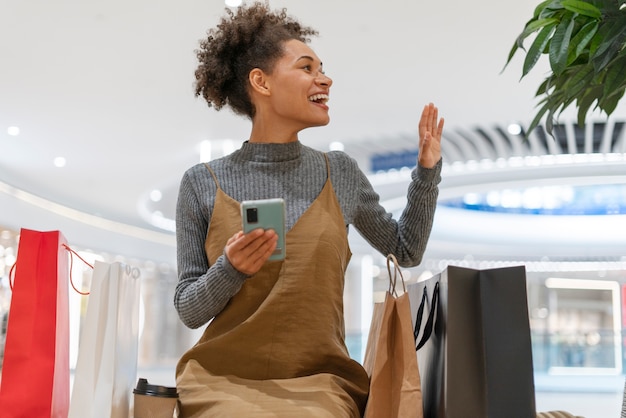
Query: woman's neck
column 272, row 132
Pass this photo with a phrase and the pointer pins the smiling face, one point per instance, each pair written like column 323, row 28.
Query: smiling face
column 297, row 89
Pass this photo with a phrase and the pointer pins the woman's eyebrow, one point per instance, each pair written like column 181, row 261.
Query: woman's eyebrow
column 310, row 58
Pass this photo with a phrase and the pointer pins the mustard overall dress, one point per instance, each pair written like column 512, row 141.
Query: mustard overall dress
column 277, row 349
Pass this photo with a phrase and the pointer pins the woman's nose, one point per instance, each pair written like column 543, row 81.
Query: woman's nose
column 324, row 80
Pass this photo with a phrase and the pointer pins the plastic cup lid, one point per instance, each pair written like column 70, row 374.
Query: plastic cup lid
column 143, row 388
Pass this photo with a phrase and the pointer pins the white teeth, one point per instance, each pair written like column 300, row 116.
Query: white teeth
column 319, row 98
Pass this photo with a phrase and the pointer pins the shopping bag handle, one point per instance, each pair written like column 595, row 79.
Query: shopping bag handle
column 393, row 277
column 72, row 254
column 12, row 276
column 428, row 328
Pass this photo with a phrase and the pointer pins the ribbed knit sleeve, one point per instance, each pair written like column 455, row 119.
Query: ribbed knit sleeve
column 405, row 237
column 201, row 292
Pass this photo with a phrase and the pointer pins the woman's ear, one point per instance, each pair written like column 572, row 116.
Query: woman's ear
column 259, row 82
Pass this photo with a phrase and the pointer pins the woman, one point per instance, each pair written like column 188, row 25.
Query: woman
column 275, row 343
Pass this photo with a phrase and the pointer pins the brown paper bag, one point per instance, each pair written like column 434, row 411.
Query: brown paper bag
column 390, row 359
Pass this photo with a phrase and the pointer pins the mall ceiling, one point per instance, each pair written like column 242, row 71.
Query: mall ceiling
column 107, row 89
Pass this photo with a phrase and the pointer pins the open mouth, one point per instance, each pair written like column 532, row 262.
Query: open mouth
column 319, row 98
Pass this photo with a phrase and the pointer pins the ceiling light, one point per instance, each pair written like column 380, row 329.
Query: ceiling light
column 13, row 130
column 60, row 162
column 156, row 195
column 233, row 3
column 471, row 199
column 514, row 129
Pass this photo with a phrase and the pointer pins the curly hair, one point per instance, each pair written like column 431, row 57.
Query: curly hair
column 251, row 38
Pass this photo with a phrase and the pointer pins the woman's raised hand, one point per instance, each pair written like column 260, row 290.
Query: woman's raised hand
column 430, row 129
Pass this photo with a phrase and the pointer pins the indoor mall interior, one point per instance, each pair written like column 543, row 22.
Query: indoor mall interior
column 98, row 123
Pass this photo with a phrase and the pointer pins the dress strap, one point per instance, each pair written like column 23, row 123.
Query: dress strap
column 217, row 183
column 327, row 166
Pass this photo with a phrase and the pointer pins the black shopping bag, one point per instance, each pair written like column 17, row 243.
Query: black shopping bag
column 477, row 362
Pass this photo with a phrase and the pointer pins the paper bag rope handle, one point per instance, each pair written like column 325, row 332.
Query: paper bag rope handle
column 72, row 253
column 393, row 277
column 12, row 276
column 428, row 328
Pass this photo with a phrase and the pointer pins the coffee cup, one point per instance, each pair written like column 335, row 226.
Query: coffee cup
column 154, row 401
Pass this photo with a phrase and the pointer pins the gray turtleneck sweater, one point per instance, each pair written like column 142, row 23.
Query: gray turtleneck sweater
column 296, row 173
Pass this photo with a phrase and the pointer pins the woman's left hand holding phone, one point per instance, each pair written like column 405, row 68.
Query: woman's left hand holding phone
column 248, row 252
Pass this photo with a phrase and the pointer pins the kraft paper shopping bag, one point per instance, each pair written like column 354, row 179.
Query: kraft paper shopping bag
column 390, row 360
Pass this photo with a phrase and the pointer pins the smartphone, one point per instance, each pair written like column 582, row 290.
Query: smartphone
column 266, row 214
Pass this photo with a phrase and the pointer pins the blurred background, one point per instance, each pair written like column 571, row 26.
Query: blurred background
column 98, row 122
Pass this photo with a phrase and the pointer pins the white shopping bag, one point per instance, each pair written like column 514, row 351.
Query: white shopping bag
column 106, row 367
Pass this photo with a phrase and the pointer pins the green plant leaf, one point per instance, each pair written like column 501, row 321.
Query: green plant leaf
column 615, row 76
column 582, row 7
column 600, row 62
column 553, row 7
column 537, row 48
column 543, row 87
column 540, row 7
column 512, row 52
column 609, row 104
column 531, row 26
column 534, row 26
column 581, row 40
column 607, row 34
column 611, row 7
column 595, row 43
column 576, row 81
column 550, row 106
column 558, row 101
column 619, row 91
column 557, row 105
column 559, row 45
column 537, row 118
column 550, row 123
column 585, row 41
column 585, row 101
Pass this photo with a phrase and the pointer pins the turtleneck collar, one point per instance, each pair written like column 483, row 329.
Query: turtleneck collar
column 268, row 152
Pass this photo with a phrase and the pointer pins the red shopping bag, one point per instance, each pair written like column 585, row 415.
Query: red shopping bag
column 35, row 371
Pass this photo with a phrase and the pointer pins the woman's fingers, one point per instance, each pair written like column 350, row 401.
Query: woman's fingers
column 430, row 130
column 248, row 252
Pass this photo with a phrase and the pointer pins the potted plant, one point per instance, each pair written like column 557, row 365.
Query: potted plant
column 585, row 41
